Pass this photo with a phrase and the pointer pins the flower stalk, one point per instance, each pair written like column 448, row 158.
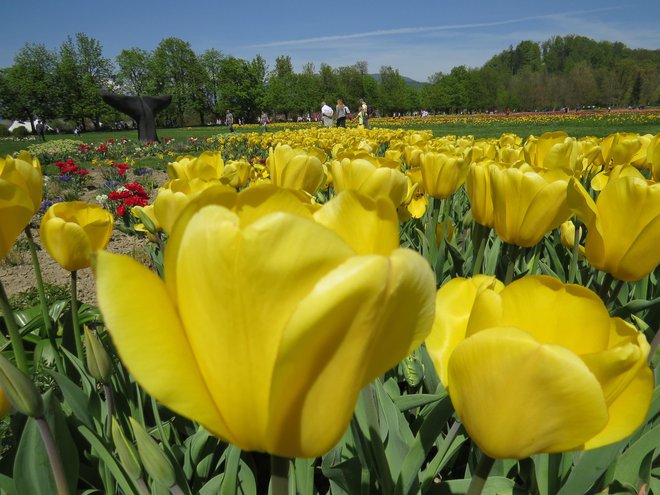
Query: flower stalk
column 480, row 475
column 14, row 334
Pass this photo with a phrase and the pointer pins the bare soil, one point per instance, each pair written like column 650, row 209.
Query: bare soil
column 17, row 273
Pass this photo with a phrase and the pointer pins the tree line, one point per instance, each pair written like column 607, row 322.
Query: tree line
column 570, row 71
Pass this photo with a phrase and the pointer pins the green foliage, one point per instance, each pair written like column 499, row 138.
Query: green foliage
column 4, row 131
column 20, row 132
column 30, row 298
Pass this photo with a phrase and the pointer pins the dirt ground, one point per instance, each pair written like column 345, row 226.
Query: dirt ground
column 17, row 274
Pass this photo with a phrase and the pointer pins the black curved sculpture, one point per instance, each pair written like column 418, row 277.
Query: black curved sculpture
column 141, row 109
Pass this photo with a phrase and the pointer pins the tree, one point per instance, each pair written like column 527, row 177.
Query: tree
column 392, row 90
column 133, row 75
column 81, row 73
column 281, row 89
column 30, row 85
column 177, row 71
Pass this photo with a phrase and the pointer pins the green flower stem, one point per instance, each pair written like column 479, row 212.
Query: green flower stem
column 615, row 292
column 554, row 462
column 48, row 326
column 480, row 475
column 481, row 237
column 54, row 457
column 176, row 490
column 536, row 254
column 110, row 404
column 14, row 334
column 605, row 286
column 142, row 486
column 279, row 475
column 513, row 257
column 440, row 262
column 74, row 316
column 572, row 269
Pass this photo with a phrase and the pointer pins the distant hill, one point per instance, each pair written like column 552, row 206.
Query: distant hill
column 410, row 82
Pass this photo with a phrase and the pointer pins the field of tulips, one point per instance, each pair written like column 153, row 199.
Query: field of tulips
column 342, row 311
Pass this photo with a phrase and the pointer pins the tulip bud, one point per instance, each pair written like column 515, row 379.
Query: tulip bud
column 20, row 390
column 126, row 451
column 99, row 363
column 153, row 458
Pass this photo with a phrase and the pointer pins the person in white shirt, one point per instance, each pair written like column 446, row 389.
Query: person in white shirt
column 326, row 114
column 365, row 113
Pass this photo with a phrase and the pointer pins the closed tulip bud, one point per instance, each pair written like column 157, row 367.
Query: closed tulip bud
column 442, row 174
column 20, row 197
column 20, row 390
column 154, row 460
column 525, row 378
column 128, row 457
column 72, row 231
column 302, row 309
column 208, row 166
column 526, row 205
column 295, row 169
column 99, row 363
column 623, row 226
column 479, row 191
column 236, row 173
column 567, row 237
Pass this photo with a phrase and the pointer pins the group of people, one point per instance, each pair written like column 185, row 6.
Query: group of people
column 342, row 112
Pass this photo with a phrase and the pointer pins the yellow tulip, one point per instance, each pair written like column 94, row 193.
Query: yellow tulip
column 295, row 169
column 653, row 157
column 619, row 148
column 363, row 176
column 20, row 197
column 236, row 173
column 552, row 151
column 207, row 166
column 529, row 378
column 71, row 232
column 480, row 194
column 442, row 174
column 265, row 329
column 526, row 205
column 623, row 226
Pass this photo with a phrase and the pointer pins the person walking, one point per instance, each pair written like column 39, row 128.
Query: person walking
column 229, row 121
column 365, row 113
column 341, row 112
column 326, row 114
column 41, row 130
column 264, row 120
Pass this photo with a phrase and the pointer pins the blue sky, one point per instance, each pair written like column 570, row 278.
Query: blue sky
column 419, row 38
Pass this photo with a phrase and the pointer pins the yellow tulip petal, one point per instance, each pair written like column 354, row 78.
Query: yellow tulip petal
column 67, row 243
column 245, row 275
column 628, row 410
column 370, row 226
column 256, row 202
column 530, row 399
column 453, row 304
column 329, row 335
column 572, row 316
column 151, row 341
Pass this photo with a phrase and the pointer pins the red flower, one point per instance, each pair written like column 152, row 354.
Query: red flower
column 121, row 209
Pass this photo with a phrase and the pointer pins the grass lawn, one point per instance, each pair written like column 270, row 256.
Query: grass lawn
column 576, row 125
